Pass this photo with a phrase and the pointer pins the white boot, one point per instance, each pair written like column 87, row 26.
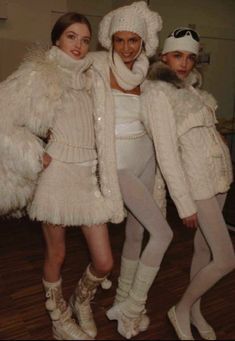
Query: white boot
column 129, row 313
column 125, row 281
column 63, row 326
column 80, row 301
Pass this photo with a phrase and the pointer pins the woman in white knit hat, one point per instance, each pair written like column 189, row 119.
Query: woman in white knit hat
column 196, row 165
column 59, row 184
column 130, row 34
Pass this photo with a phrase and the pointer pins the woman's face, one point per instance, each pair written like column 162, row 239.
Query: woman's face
column 75, row 40
column 127, row 45
column 181, row 62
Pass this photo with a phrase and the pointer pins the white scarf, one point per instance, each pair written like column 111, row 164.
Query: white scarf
column 128, row 79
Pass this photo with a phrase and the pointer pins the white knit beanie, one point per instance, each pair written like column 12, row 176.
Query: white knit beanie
column 182, row 39
column 136, row 18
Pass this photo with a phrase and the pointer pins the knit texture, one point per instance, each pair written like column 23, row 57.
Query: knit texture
column 136, row 18
column 193, row 159
column 41, row 85
column 105, row 104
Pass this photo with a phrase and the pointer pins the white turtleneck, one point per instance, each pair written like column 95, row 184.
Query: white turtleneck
column 72, row 138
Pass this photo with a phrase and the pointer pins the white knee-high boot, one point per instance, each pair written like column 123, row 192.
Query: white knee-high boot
column 129, row 313
column 63, row 326
column 80, row 301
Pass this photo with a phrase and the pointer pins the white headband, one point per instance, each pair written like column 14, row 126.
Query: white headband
column 182, row 39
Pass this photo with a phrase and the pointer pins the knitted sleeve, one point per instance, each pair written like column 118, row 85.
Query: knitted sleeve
column 162, row 125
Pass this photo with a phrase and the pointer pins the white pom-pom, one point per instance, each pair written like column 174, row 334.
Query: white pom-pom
column 55, row 315
column 106, row 284
column 50, row 305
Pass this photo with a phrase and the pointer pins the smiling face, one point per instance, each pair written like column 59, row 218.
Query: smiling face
column 127, row 45
column 181, row 62
column 75, row 40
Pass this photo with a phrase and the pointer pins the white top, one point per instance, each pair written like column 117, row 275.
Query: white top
column 127, row 114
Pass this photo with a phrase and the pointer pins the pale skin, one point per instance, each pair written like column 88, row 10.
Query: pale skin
column 182, row 63
column 74, row 41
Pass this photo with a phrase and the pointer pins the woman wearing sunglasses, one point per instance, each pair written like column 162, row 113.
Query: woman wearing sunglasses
column 195, row 163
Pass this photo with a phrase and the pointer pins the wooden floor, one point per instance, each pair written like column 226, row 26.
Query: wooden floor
column 22, row 314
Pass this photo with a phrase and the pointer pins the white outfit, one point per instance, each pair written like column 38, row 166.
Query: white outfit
column 105, row 109
column 54, row 93
column 192, row 156
column 134, row 149
column 67, row 192
column 197, row 168
column 136, row 168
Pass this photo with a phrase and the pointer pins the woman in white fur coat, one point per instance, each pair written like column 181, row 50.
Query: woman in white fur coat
column 130, row 35
column 50, row 95
column 196, row 165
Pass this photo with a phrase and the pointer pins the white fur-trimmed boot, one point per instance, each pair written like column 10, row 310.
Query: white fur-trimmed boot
column 129, row 312
column 125, row 281
column 80, row 301
column 63, row 326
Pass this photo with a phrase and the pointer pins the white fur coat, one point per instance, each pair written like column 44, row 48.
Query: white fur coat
column 29, row 100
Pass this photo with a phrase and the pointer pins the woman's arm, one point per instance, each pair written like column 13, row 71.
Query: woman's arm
column 162, row 125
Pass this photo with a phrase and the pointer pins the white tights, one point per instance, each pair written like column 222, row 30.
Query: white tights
column 213, row 258
column 143, row 213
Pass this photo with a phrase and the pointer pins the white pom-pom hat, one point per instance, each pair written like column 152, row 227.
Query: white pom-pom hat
column 182, row 39
column 136, row 18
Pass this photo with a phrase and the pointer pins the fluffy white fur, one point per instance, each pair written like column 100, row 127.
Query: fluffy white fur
column 29, row 100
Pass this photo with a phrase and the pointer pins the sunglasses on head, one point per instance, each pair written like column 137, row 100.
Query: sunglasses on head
column 182, row 32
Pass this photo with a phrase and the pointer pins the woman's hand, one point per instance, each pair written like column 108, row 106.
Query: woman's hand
column 191, row 222
column 46, row 160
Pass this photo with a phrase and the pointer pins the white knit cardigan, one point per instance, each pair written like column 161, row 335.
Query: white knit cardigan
column 193, row 159
column 105, row 107
column 29, row 100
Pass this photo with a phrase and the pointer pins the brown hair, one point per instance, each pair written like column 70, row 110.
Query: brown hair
column 65, row 21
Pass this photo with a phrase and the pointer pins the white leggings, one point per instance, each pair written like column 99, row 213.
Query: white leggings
column 213, row 258
column 213, row 249
column 136, row 183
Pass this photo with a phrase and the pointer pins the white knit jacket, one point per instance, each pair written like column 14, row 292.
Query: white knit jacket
column 29, row 101
column 193, row 159
column 105, row 106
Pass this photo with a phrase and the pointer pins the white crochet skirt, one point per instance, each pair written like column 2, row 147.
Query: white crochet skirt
column 68, row 194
